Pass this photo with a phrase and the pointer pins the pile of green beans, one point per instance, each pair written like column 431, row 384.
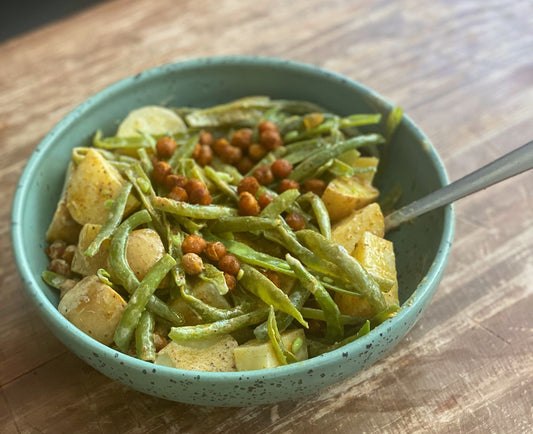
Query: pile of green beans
column 311, row 267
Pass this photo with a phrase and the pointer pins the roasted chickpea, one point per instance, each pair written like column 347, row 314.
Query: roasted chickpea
column 231, row 281
column 281, row 168
column 242, row 138
column 192, row 263
column 270, row 139
column 200, row 196
column 265, row 199
column 206, row 138
column 231, row 154
column 248, row 205
column 172, row 181
column 245, row 165
column 193, row 244
column 215, row 251
column 193, row 184
column 178, row 194
column 56, row 249
column 220, row 145
column 165, row 147
column 229, row 264
column 68, row 254
column 196, row 151
column 273, row 277
column 59, row 266
column 295, row 221
column 288, row 184
column 266, row 125
column 160, row 341
column 205, row 155
column 256, row 152
column 249, row 184
column 161, row 170
column 264, row 175
column 317, row 186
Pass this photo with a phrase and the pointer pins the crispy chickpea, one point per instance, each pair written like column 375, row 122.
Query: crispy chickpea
column 220, row 145
column 231, row 281
column 56, row 249
column 248, row 205
column 161, row 170
column 249, row 184
column 270, row 139
column 193, row 244
column 165, row 147
column 295, row 221
column 205, row 155
column 193, row 184
column 206, row 138
column 242, row 138
column 200, row 196
column 264, row 200
column 229, row 264
column 215, row 250
column 264, row 175
column 266, row 125
column 317, row 186
column 160, row 341
column 192, row 263
column 273, row 277
column 178, row 194
column 288, row 184
column 59, row 266
column 196, row 151
column 281, row 168
column 245, row 165
column 68, row 254
column 172, row 181
column 256, row 152
column 231, row 154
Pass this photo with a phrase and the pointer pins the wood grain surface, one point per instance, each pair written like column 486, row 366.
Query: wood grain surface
column 463, row 70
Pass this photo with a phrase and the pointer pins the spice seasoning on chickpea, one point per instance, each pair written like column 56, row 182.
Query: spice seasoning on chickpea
column 172, row 181
column 316, row 186
column 165, row 147
column 200, row 196
column 249, row 184
column 256, row 152
column 204, row 156
column 192, row 263
column 206, row 138
column 193, row 244
column 270, row 139
column 229, row 264
column 193, row 184
column 245, row 165
column 288, row 184
column 265, row 199
column 264, row 175
column 295, row 221
column 161, row 170
column 230, row 154
column 281, row 168
column 231, row 281
column 178, row 194
column 242, row 138
column 266, row 125
column 219, row 145
column 215, row 251
column 248, row 205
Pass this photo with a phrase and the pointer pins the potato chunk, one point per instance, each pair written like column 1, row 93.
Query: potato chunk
column 154, row 120
column 213, row 355
column 366, row 177
column 259, row 355
column 85, row 265
column 376, row 255
column 144, row 249
column 63, row 226
column 94, row 308
column 343, row 195
column 93, row 182
column 349, row 230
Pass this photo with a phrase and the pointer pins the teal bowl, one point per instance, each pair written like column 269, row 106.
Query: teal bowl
column 422, row 248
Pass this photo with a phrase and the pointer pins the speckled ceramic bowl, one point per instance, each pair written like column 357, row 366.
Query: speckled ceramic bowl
column 421, row 248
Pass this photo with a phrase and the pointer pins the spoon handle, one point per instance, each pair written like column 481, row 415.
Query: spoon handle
column 510, row 164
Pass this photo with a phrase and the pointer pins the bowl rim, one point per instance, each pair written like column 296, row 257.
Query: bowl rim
column 50, row 313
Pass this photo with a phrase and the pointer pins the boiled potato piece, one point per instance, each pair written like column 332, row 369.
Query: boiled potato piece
column 154, row 120
column 343, row 195
column 94, row 308
column 376, row 255
column 349, row 230
column 63, row 226
column 93, row 182
column 143, row 250
column 367, row 177
column 212, row 355
column 86, row 265
column 260, row 355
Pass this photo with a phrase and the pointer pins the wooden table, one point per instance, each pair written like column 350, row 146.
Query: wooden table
column 462, row 70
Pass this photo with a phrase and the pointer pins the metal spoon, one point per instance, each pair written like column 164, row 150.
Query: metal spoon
column 510, row 164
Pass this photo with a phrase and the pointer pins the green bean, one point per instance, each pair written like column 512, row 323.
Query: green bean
column 318, row 314
column 280, row 203
column 222, row 185
column 55, row 280
column 283, row 320
column 259, row 285
column 228, row 169
column 207, row 212
column 268, row 159
column 144, row 337
column 216, row 277
column 244, row 224
column 251, row 256
column 138, row 301
column 161, row 309
column 384, row 315
column 283, row 355
column 340, row 168
column 335, row 329
column 365, row 329
column 307, row 167
column 112, row 221
column 320, row 211
column 394, row 118
column 123, row 143
column 146, row 163
column 352, row 270
column 217, row 328
column 207, row 312
column 184, row 151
